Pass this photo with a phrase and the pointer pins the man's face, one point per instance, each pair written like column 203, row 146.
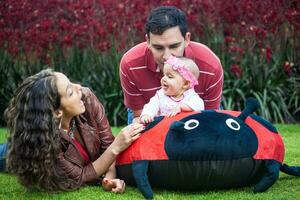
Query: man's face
column 171, row 42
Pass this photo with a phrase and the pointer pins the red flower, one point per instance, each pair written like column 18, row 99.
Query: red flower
column 259, row 32
column 236, row 70
column 47, row 59
column 64, row 24
column 293, row 15
column 67, row 40
column 229, row 39
column 46, row 24
column 268, row 54
column 287, row 68
column 236, row 49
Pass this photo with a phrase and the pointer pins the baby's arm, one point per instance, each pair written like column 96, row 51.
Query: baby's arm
column 193, row 103
column 145, row 119
column 181, row 107
column 150, row 110
column 185, row 108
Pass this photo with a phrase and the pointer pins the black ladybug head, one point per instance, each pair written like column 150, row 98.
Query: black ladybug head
column 210, row 135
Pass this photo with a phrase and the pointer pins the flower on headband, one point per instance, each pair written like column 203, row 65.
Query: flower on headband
column 180, row 67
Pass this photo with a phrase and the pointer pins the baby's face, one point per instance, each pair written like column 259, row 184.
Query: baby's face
column 173, row 84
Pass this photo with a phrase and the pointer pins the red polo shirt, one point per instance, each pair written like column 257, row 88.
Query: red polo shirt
column 140, row 76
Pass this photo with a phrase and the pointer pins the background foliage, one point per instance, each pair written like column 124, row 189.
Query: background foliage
column 257, row 42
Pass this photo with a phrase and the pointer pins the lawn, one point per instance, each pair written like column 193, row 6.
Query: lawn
column 286, row 188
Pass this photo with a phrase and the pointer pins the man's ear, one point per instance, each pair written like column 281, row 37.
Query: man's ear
column 187, row 39
column 58, row 113
column 147, row 39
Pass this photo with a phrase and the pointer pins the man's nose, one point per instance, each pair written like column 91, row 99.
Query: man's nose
column 167, row 54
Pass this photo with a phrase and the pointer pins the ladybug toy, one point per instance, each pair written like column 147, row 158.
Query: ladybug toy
column 211, row 149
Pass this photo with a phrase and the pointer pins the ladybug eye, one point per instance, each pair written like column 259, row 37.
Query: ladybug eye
column 234, row 125
column 191, row 124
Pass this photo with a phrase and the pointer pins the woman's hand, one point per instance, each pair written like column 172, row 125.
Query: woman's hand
column 126, row 136
column 113, row 185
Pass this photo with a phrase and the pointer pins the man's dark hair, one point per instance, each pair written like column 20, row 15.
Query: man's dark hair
column 165, row 17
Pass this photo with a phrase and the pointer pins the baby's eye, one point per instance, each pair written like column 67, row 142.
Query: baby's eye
column 191, row 124
column 234, row 125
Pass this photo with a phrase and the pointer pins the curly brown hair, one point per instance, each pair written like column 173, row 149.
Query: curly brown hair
column 34, row 141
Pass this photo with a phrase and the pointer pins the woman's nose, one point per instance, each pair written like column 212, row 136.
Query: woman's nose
column 78, row 87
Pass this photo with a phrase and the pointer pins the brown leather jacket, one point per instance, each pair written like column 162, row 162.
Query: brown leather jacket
column 96, row 135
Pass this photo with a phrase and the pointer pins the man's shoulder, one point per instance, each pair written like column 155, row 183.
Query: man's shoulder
column 136, row 54
column 197, row 47
column 203, row 56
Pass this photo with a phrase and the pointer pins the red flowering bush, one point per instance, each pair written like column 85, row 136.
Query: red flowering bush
column 257, row 42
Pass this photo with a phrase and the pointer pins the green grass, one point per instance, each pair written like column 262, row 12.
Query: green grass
column 286, row 188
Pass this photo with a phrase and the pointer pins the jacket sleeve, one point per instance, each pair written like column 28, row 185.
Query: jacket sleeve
column 100, row 120
column 80, row 174
column 69, row 159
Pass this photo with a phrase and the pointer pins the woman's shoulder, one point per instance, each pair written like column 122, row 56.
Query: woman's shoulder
column 86, row 92
column 88, row 96
column 92, row 104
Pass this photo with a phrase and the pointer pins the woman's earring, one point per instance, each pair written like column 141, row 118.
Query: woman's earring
column 59, row 126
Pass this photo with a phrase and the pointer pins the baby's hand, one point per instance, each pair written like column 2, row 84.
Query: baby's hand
column 145, row 119
column 175, row 111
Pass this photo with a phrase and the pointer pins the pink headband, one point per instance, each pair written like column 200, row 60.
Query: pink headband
column 179, row 66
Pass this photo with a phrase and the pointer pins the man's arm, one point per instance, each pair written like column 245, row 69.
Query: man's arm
column 212, row 98
column 133, row 98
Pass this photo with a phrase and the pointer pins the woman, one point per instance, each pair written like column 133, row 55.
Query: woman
column 60, row 137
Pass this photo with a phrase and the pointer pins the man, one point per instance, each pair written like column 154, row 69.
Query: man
column 141, row 67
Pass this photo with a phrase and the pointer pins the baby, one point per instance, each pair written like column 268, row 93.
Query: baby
column 177, row 90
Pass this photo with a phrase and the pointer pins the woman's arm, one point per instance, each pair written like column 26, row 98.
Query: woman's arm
column 109, row 148
column 110, row 183
column 127, row 135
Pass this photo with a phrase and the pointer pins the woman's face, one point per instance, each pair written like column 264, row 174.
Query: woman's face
column 70, row 96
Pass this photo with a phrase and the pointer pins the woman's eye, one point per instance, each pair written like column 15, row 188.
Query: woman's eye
column 70, row 91
column 234, row 125
column 191, row 124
